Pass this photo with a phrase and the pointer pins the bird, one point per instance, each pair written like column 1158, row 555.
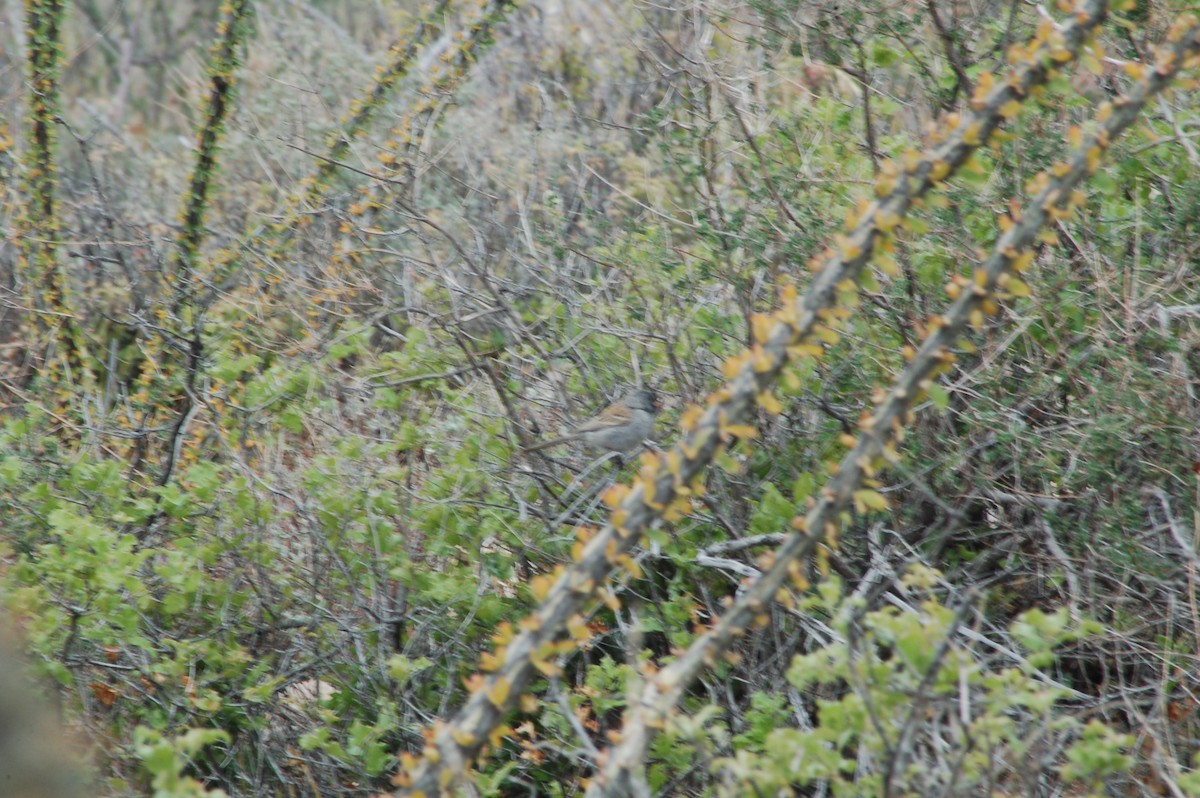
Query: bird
column 620, row 427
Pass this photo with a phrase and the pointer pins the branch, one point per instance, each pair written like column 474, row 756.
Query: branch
column 232, row 31
column 36, row 231
column 1012, row 254
column 363, row 111
column 664, row 489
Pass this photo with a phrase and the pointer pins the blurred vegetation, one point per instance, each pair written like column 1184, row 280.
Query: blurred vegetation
column 263, row 504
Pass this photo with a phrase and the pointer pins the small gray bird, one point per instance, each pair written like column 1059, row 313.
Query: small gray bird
column 620, row 427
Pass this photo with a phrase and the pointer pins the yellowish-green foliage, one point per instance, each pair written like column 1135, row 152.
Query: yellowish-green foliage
column 264, row 513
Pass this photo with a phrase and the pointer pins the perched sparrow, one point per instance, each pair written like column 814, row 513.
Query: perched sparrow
column 620, row 427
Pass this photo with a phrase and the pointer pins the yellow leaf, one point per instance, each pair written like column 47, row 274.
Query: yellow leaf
column 689, row 417
column 1134, row 69
column 499, row 734
column 1023, row 261
column 733, row 365
column 648, row 495
column 547, row 668
column 615, row 495
column 760, row 324
column 578, row 629
column 727, row 462
column 887, row 221
column 530, row 623
column 827, row 335
column 1017, row 288
column 504, row 634
column 823, row 562
column 768, row 401
column 763, row 361
column 745, row 431
column 675, row 510
column 847, row 248
column 630, row 565
column 800, row 351
column 983, row 87
column 498, row 693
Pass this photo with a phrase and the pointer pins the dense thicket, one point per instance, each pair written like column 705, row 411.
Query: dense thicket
column 288, row 286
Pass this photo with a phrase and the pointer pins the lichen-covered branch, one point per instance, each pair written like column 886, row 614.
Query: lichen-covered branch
column 231, row 34
column 38, row 239
column 37, row 228
column 399, row 156
column 1000, row 275
column 172, row 359
column 363, row 110
column 666, row 485
column 271, row 242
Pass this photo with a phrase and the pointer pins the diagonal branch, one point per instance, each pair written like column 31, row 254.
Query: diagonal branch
column 998, row 275
column 665, row 487
column 398, row 154
column 312, row 188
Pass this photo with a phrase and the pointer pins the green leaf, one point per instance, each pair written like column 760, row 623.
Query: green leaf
column 772, row 513
column 939, row 396
column 802, row 488
column 402, row 668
